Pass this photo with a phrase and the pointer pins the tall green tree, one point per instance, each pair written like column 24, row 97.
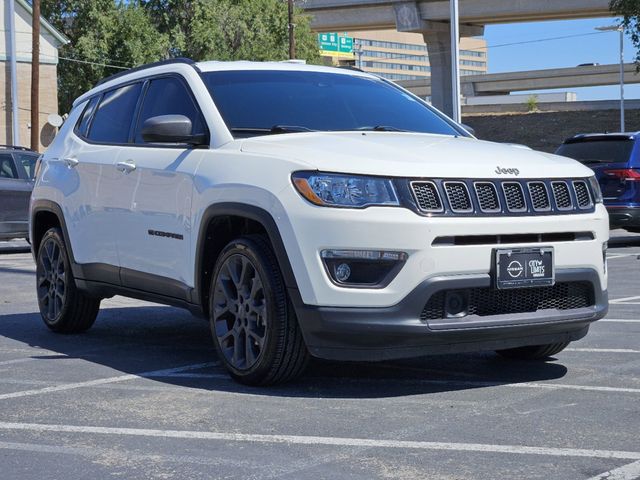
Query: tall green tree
column 630, row 12
column 108, row 36
column 105, row 38
column 232, row 29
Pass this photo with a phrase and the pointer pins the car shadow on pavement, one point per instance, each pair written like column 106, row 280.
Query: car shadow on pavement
column 146, row 339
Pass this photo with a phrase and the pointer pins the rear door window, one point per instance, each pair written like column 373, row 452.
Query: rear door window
column 84, row 122
column 27, row 162
column 7, row 167
column 169, row 96
column 112, row 121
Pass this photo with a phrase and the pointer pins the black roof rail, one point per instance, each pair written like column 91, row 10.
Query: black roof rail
column 187, row 61
column 17, row 147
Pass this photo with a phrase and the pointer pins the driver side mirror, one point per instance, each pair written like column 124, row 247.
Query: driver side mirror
column 171, row 129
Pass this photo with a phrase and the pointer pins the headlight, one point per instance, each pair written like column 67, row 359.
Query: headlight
column 595, row 188
column 337, row 190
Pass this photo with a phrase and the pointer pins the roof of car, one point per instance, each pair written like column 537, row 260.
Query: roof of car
column 585, row 137
column 17, row 147
column 287, row 65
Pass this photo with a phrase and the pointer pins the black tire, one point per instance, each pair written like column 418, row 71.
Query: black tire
column 64, row 308
column 534, row 352
column 255, row 330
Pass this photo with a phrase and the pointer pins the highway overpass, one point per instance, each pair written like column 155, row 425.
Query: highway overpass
column 505, row 83
column 338, row 15
column 431, row 18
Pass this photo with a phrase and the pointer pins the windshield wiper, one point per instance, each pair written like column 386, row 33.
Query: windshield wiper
column 290, row 129
column 381, row 128
column 275, row 129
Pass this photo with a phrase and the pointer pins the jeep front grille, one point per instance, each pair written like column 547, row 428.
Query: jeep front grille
column 501, row 197
column 488, row 301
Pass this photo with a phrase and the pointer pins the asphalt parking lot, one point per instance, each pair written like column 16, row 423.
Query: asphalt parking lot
column 142, row 396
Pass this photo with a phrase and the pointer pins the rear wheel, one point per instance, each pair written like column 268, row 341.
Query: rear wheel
column 63, row 307
column 254, row 327
column 534, row 352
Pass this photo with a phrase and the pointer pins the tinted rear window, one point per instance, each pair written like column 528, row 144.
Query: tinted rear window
column 112, row 121
column 317, row 101
column 28, row 162
column 598, row 151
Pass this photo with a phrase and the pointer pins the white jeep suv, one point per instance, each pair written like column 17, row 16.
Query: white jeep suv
column 308, row 210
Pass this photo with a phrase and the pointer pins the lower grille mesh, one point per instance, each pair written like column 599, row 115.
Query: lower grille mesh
column 488, row 301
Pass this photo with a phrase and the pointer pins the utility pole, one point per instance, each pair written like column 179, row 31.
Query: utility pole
column 15, row 122
column 35, row 76
column 292, row 37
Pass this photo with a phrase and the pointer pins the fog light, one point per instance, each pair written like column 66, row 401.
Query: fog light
column 456, row 303
column 362, row 268
column 343, row 272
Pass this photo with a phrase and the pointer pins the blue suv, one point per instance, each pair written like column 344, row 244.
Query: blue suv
column 615, row 158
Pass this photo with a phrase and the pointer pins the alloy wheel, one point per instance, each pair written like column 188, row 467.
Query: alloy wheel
column 51, row 277
column 240, row 312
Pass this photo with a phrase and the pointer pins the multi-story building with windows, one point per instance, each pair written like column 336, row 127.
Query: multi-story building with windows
column 403, row 56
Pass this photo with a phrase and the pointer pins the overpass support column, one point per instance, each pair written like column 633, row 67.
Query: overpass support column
column 439, row 50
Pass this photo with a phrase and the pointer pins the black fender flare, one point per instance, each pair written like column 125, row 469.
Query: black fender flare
column 252, row 213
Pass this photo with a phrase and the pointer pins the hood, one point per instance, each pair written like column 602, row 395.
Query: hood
column 413, row 155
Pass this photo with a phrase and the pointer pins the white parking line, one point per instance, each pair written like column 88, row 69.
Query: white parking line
column 624, row 299
column 630, row 471
column 315, row 440
column 16, row 360
column 618, row 320
column 102, row 381
column 602, row 350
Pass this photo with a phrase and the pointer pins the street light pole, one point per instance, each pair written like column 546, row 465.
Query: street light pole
column 455, row 62
column 620, row 29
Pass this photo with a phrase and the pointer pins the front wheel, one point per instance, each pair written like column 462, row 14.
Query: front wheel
column 534, row 352
column 254, row 327
column 64, row 308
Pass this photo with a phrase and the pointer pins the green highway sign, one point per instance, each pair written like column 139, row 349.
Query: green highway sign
column 335, row 43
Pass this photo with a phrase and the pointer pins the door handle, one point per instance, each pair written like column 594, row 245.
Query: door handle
column 126, row 167
column 71, row 161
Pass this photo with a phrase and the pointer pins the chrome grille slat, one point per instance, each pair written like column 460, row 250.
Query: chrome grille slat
column 561, row 195
column 539, row 196
column 458, row 197
column 509, row 196
column 514, row 196
column 582, row 194
column 487, row 196
column 426, row 196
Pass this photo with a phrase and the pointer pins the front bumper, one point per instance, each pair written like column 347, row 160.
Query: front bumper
column 624, row 216
column 370, row 334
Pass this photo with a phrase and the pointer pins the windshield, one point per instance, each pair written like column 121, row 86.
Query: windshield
column 256, row 102
column 598, row 151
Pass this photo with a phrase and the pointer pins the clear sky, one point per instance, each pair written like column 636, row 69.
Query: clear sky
column 589, row 47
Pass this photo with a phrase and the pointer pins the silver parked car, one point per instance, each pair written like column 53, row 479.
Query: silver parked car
column 17, row 169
